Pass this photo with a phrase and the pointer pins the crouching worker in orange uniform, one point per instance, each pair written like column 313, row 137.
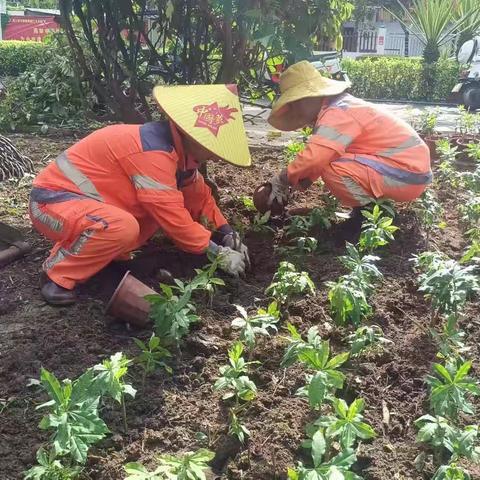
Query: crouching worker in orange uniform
column 110, row 192
column 359, row 150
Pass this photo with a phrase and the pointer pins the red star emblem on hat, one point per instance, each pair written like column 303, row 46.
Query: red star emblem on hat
column 212, row 116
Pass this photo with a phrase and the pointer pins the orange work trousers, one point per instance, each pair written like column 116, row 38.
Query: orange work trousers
column 88, row 235
column 356, row 185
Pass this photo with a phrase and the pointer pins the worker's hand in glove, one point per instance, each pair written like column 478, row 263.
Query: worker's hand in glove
column 229, row 260
column 280, row 189
column 233, row 241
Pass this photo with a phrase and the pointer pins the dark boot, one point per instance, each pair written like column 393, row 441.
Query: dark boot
column 56, row 295
column 349, row 230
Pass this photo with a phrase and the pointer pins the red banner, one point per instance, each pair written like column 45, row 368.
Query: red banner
column 29, row 28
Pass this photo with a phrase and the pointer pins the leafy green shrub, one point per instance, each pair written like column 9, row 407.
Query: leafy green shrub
column 49, row 92
column 399, row 78
column 18, row 56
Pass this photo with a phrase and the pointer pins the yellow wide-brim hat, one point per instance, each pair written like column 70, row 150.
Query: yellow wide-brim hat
column 301, row 80
column 211, row 115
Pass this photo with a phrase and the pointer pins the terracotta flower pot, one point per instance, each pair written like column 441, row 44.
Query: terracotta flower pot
column 430, row 141
column 128, row 301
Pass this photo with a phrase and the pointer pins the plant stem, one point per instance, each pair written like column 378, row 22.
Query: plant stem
column 124, row 414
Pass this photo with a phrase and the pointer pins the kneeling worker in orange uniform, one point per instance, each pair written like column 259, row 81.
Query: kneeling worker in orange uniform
column 359, row 150
column 110, row 192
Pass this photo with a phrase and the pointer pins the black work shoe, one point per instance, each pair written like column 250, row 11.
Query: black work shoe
column 56, row 295
column 349, row 230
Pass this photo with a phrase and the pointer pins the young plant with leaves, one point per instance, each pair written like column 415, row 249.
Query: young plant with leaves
column 451, row 472
column 292, row 149
column 260, row 223
column 366, row 337
column 236, row 427
column 446, row 172
column 288, row 283
column 429, row 213
column 172, row 314
column 297, row 344
column 72, row 415
column 337, row 468
column 258, row 324
column 362, row 268
column 110, row 380
column 377, row 230
column 189, row 466
column 205, row 279
column 470, row 211
column 451, row 340
column 436, row 432
column 327, row 376
column 234, row 378
column 50, row 468
column 346, row 425
column 447, row 283
column 348, row 301
column 152, row 356
column 298, row 249
column 451, row 388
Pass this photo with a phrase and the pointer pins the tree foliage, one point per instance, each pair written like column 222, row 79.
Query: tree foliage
column 116, row 43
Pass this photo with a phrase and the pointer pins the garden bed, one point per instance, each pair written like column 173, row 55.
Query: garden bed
column 167, row 416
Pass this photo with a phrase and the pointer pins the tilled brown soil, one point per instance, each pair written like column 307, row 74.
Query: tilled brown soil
column 168, row 414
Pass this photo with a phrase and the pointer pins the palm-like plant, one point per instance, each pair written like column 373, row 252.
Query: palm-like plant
column 433, row 22
column 469, row 10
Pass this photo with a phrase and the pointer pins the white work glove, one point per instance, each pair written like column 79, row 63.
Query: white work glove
column 280, row 189
column 230, row 261
column 233, row 241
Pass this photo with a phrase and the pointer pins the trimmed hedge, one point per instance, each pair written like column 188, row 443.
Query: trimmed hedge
column 17, row 56
column 399, row 78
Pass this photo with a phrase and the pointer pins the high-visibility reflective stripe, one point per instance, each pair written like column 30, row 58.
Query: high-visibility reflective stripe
column 398, row 174
column 63, row 253
column 44, row 195
column 331, row 133
column 356, row 191
column 83, row 183
column 410, row 142
column 51, row 222
column 142, row 182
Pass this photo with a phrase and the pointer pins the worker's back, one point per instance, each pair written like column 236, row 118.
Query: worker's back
column 372, row 130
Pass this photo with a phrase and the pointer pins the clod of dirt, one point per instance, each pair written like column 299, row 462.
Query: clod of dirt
column 260, row 200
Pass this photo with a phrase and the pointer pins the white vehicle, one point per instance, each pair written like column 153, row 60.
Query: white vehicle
column 469, row 82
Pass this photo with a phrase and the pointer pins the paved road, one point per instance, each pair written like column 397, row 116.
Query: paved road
column 260, row 133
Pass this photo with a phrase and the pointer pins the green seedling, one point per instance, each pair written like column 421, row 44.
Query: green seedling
column 464, row 444
column 205, row 279
column 348, row 301
column 258, row 324
column 327, row 376
column 435, row 431
column 470, row 210
column 471, row 181
column 247, row 202
column 451, row 387
column 426, row 122
column 450, row 340
column 446, row 172
column 292, row 149
column 338, row 468
column 172, row 314
column 237, row 428
column 467, row 122
column 298, row 345
column 446, row 283
column 288, row 283
column 366, row 337
column 429, row 213
column 152, row 356
column 451, row 472
column 72, row 414
column 472, row 253
column 346, row 425
column 233, row 377
column 473, row 151
column 110, row 380
column 361, row 268
column 190, row 466
column 301, row 247
column 260, row 223
column 298, row 226
column 50, row 468
column 377, row 230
